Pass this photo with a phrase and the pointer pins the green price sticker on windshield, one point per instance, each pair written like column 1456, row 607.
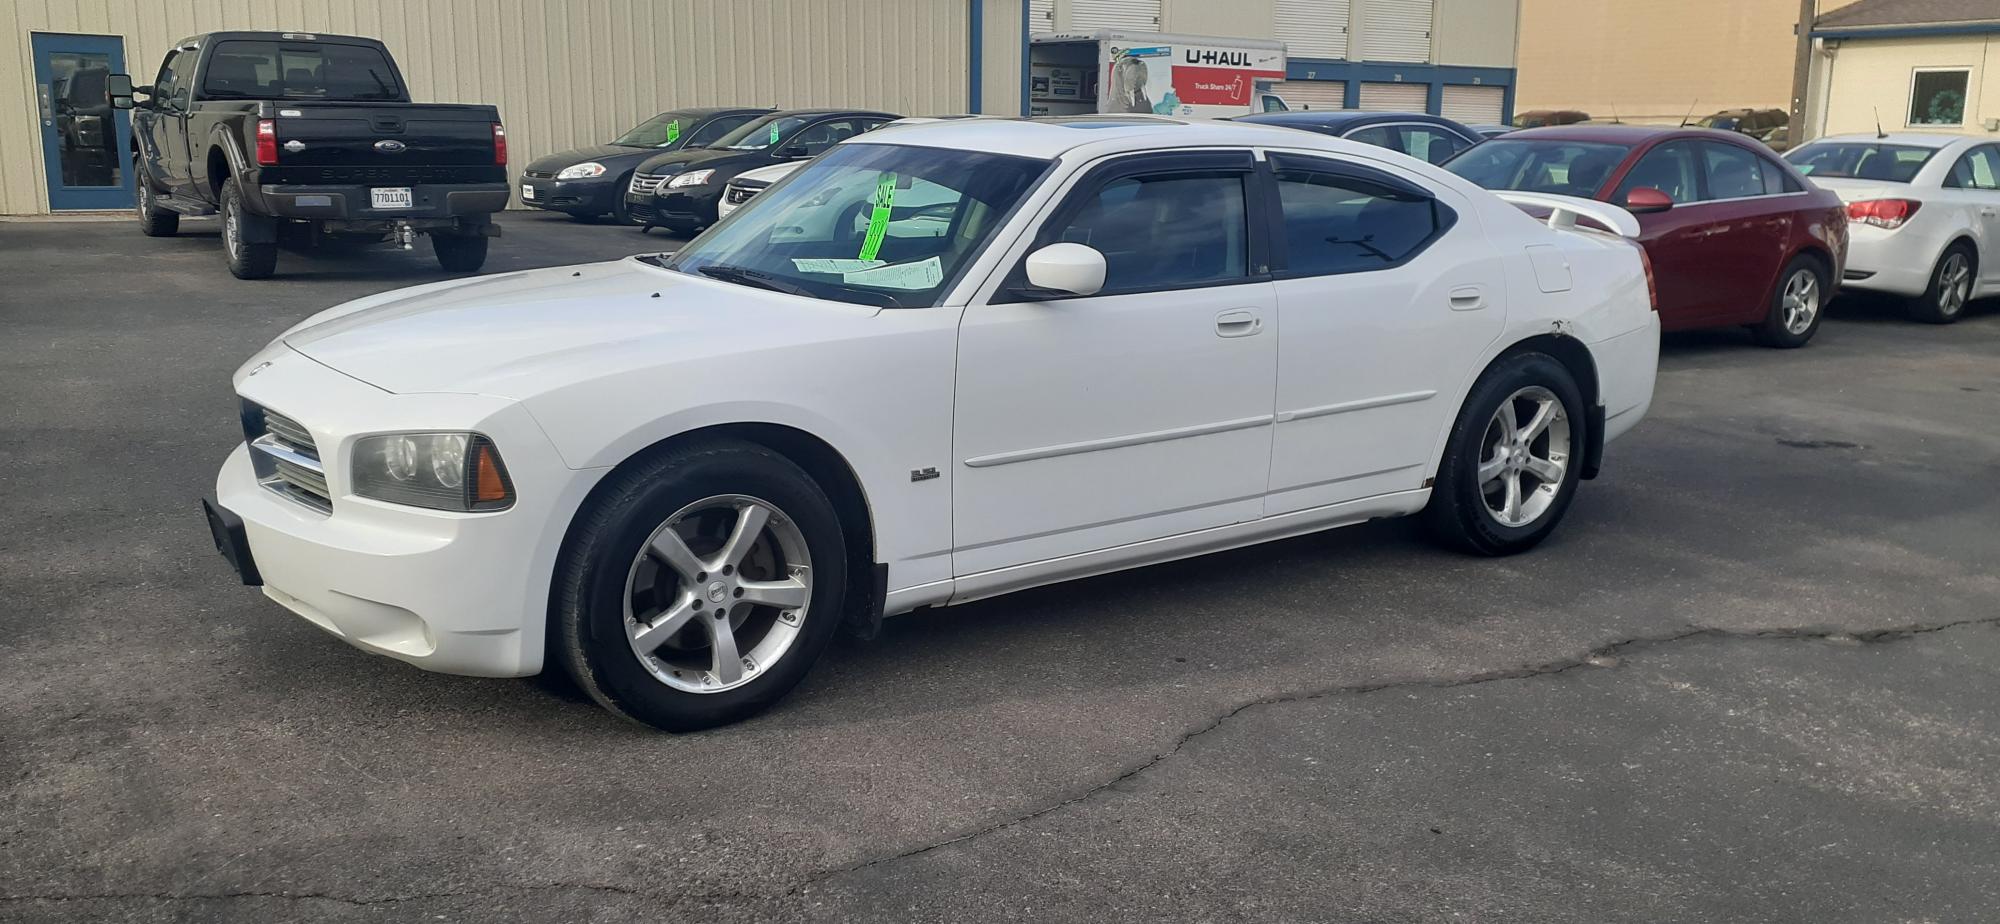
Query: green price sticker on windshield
column 673, row 131
column 878, row 219
column 774, row 134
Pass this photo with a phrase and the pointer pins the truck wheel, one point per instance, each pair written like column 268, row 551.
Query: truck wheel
column 459, row 253
column 153, row 220
column 246, row 260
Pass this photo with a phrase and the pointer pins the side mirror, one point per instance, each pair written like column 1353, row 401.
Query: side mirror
column 1646, row 200
column 1066, row 269
column 118, row 88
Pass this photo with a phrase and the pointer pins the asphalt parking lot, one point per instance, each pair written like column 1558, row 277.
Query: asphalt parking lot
column 1751, row 678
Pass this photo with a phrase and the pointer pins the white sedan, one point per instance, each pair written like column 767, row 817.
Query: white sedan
column 674, row 477
column 1923, row 215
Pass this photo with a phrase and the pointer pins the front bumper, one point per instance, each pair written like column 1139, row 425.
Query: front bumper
column 593, row 196
column 675, row 208
column 450, row 592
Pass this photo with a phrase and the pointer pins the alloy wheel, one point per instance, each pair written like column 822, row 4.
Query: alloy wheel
column 718, row 594
column 1801, row 301
column 231, row 238
column 145, row 201
column 1523, row 456
column 1954, row 284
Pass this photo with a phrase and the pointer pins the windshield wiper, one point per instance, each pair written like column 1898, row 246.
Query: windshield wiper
column 743, row 275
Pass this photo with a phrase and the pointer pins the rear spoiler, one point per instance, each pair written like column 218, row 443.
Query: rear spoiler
column 1565, row 210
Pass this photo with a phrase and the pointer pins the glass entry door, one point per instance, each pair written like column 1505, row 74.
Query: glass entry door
column 85, row 142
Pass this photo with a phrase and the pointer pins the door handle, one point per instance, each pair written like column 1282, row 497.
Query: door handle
column 1238, row 322
column 1468, row 298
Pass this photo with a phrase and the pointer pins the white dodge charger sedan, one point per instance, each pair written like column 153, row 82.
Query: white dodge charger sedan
column 1133, row 341
column 1923, row 211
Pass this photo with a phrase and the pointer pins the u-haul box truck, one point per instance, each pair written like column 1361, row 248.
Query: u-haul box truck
column 1155, row 73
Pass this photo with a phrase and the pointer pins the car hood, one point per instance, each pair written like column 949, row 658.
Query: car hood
column 704, row 158
column 522, row 334
column 605, row 154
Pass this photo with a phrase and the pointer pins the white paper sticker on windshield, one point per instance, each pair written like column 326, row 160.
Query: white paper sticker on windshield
column 924, row 274
column 834, row 266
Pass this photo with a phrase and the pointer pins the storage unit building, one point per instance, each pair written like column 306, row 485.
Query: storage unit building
column 563, row 72
column 1450, row 57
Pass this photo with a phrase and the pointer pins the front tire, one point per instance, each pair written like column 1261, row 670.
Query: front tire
column 1796, row 305
column 153, row 220
column 459, row 253
column 246, row 260
column 1514, row 457
column 700, row 586
column 1951, row 286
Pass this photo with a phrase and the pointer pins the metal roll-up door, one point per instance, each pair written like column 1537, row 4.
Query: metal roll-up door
column 1091, row 15
column 1312, row 28
column 1041, row 16
column 1397, row 30
column 1473, row 105
column 1395, row 97
column 1316, row 95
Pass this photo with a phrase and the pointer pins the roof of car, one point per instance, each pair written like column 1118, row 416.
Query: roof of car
column 1339, row 118
column 1049, row 138
column 1910, row 139
column 821, row 112
column 1618, row 133
column 297, row 35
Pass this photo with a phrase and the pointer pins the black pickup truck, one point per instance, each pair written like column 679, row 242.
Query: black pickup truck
column 317, row 131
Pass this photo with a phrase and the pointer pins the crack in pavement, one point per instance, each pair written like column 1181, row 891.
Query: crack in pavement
column 1593, row 657
column 1548, row 668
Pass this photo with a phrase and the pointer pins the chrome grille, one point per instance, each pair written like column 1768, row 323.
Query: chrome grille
column 740, row 191
column 285, row 457
column 646, row 184
column 538, row 174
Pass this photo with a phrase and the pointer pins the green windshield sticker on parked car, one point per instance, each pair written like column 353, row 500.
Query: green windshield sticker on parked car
column 774, row 134
column 878, row 219
column 673, row 131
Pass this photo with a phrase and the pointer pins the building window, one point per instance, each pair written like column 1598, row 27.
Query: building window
column 1938, row 97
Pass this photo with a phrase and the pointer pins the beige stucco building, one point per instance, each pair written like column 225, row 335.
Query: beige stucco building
column 1653, row 62
column 1922, row 65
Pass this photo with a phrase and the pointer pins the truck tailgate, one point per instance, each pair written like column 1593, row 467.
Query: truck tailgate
column 377, row 142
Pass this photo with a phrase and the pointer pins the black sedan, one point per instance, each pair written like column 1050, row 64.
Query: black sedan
column 679, row 191
column 590, row 181
column 1420, row 135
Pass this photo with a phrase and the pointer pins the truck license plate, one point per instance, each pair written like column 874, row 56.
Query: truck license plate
column 527, row 192
column 391, row 197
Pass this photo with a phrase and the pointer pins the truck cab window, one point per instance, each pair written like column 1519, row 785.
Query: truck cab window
column 273, row 70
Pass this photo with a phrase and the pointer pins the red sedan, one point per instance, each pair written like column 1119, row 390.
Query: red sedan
column 1736, row 236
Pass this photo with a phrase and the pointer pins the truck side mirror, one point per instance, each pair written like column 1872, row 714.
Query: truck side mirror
column 118, row 89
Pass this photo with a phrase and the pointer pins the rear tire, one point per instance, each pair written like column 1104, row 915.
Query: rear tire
column 616, row 590
column 153, row 220
column 459, row 253
column 246, row 260
column 1796, row 305
column 1512, row 463
column 1951, row 286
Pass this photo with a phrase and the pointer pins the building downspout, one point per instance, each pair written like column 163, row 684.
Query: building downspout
column 978, row 33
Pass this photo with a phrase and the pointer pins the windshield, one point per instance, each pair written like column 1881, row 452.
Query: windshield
column 1724, row 123
column 872, row 224
column 657, row 132
column 1568, row 168
column 305, row 70
column 759, row 134
column 1892, row 163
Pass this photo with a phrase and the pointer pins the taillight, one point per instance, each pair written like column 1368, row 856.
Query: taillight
column 1652, row 285
column 1883, row 213
column 267, row 142
column 500, row 144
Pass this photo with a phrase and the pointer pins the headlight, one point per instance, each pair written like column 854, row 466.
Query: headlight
column 579, row 171
column 441, row 471
column 691, row 178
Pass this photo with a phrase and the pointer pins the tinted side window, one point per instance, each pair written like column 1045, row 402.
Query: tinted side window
column 1433, row 145
column 1978, row 169
column 163, row 86
column 716, row 128
column 1165, row 231
column 1669, row 168
column 825, row 135
column 1733, row 173
column 1336, row 224
column 1380, row 136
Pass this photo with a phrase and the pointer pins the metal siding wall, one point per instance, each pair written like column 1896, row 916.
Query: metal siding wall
column 563, row 72
column 1133, row 15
